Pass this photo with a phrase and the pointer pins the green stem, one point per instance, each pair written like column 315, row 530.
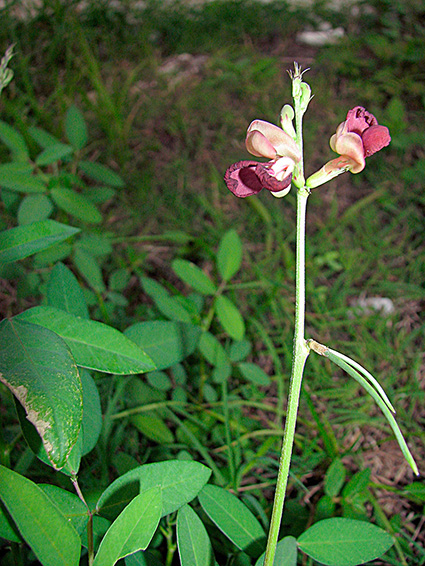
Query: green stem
column 300, row 354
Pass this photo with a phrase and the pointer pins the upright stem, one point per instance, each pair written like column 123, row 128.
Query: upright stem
column 300, row 354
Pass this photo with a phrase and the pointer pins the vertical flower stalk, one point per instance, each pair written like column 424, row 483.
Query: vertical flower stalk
column 301, row 95
column 356, row 139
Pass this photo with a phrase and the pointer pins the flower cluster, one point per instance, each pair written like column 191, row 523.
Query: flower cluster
column 358, row 137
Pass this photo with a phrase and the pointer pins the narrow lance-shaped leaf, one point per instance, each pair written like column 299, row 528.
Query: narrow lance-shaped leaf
column 229, row 255
column 23, row 241
column 93, row 344
column 192, row 275
column 132, row 530
column 51, row 536
column 64, row 292
column 53, row 153
column 37, row 366
column 75, row 127
column 233, row 518
column 14, row 141
column 101, row 174
column 76, row 204
column 180, row 482
column 192, row 539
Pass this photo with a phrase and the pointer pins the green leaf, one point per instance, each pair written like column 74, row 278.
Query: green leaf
column 172, row 308
column 17, row 176
column 240, row 350
column 92, row 413
column 35, row 443
column 229, row 255
column 88, row 266
column 153, row 428
column 180, row 482
column 34, row 208
column 96, row 245
column 335, row 477
column 53, row 153
column 65, row 293
column 75, row 128
column 212, row 350
column 93, row 344
column 230, row 318
column 8, row 529
column 416, row 490
column 23, row 241
column 132, row 530
column 142, row 558
column 344, row 542
column 37, row 367
column 358, row 483
column 286, row 553
column 52, row 538
column 42, row 137
column 101, row 174
column 233, row 519
column 167, row 343
column 254, row 374
column 14, row 141
column 192, row 539
column 193, row 276
column 325, row 508
column 69, row 504
column 76, row 204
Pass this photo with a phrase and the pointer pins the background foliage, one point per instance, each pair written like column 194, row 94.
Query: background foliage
column 145, row 108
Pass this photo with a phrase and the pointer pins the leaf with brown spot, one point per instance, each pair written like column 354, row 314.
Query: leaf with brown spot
column 38, row 368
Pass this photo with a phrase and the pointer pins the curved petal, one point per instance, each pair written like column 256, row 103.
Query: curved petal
column 339, row 131
column 257, row 144
column 283, row 144
column 351, row 145
column 242, row 180
column 359, row 119
column 375, row 138
column 330, row 170
column 276, row 176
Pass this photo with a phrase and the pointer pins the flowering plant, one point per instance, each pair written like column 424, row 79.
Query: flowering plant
column 357, row 138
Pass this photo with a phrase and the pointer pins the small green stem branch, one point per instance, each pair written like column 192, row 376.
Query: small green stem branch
column 300, row 355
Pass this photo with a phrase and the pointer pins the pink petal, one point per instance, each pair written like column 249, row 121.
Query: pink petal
column 350, row 145
column 358, row 120
column 257, row 144
column 282, row 143
column 242, row 180
column 375, row 138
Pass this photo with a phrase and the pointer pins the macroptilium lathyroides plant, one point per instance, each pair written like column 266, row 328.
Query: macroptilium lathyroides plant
column 357, row 138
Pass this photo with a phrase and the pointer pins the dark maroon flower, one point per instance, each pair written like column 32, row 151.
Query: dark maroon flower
column 263, row 139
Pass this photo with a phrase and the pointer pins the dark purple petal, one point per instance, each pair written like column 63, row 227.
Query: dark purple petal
column 242, row 180
column 358, row 120
column 270, row 182
column 375, row 138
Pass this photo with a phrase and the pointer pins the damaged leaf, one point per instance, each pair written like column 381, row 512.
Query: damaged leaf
column 38, row 368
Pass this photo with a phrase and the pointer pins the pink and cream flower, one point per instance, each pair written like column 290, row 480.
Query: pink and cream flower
column 246, row 178
column 358, row 137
